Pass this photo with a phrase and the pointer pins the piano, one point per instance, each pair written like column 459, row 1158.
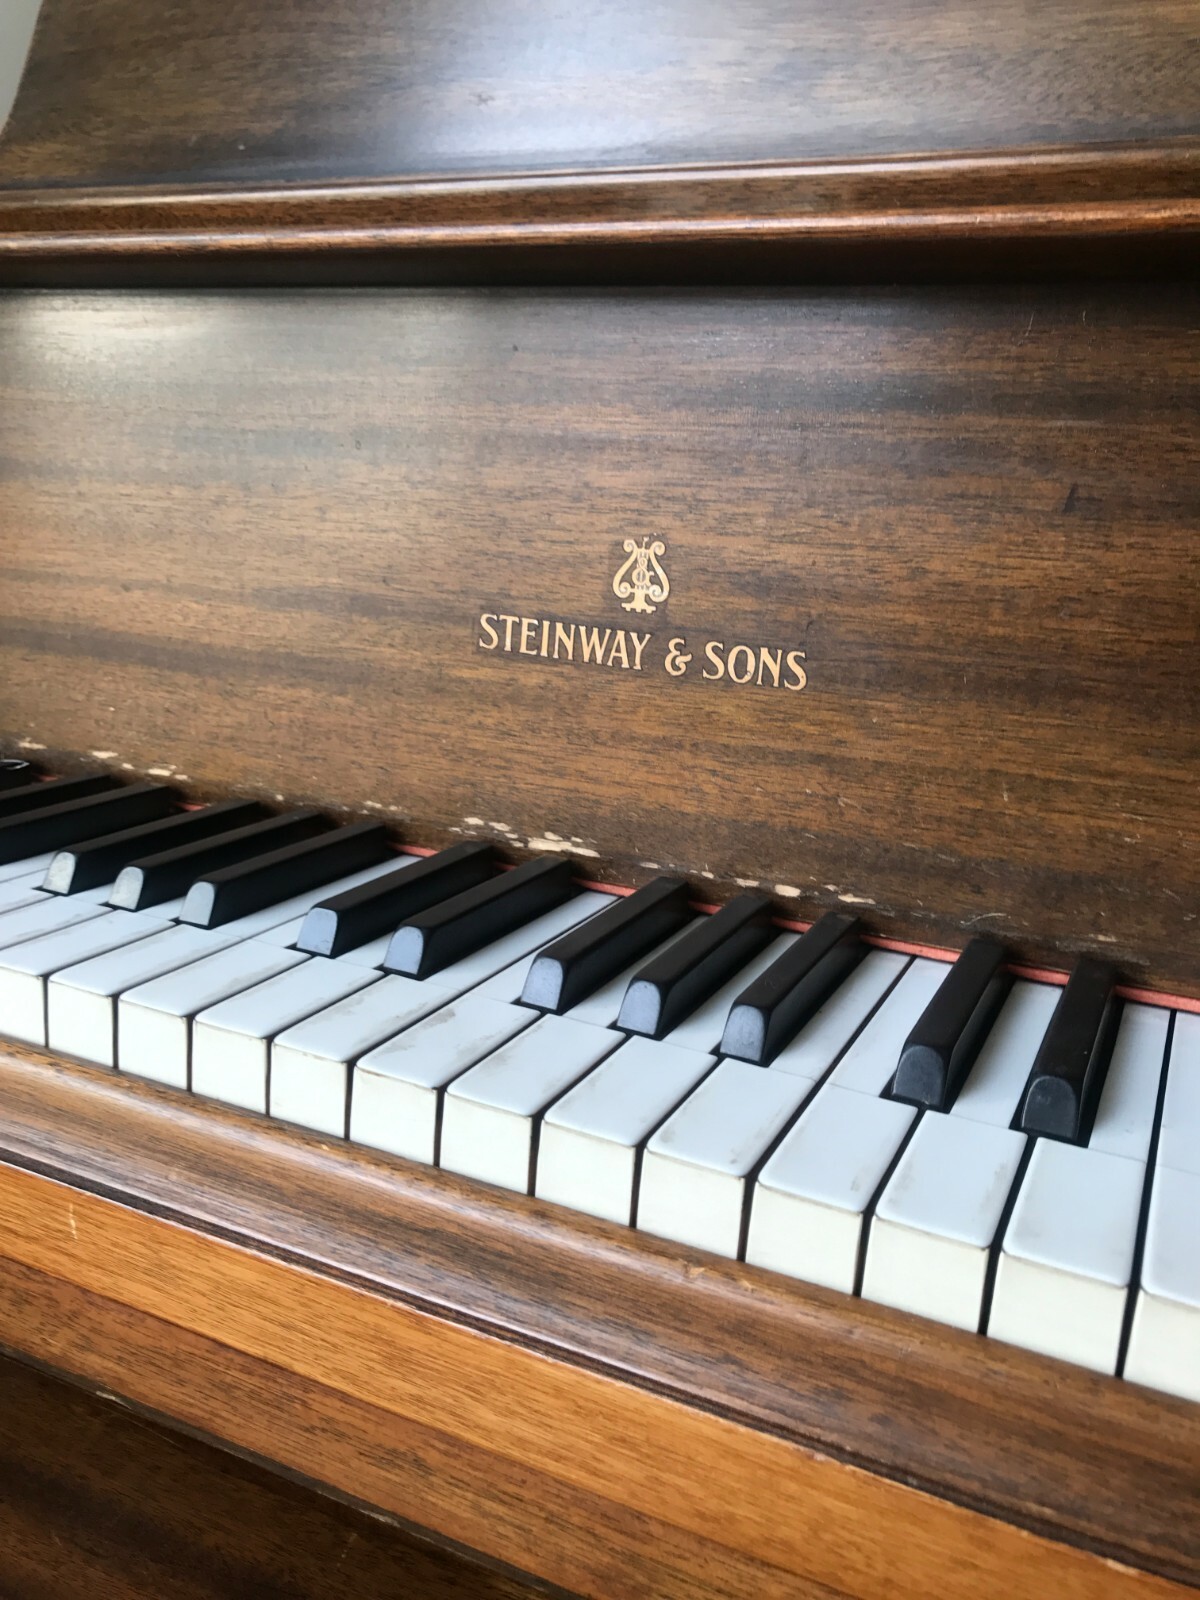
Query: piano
column 599, row 847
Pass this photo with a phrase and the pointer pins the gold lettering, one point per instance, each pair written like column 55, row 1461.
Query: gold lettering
column 509, row 624
column 640, row 641
column 619, row 650
column 794, row 658
column 565, row 637
column 485, row 622
column 591, row 644
column 769, row 661
column 741, row 650
column 714, row 650
column 676, row 662
column 545, row 650
column 528, row 628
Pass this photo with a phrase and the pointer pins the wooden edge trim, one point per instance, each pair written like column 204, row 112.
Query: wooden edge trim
column 1042, row 1449
column 1124, row 191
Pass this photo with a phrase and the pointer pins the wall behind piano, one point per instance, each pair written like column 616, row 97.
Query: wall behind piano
column 17, row 18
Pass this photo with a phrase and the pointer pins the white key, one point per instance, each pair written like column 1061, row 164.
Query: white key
column 368, row 955
column 507, row 985
column 475, row 969
column 601, row 1007
column 1064, row 1270
column 396, row 1098
column 326, row 919
column 52, row 911
column 935, row 1223
column 997, row 1080
column 25, row 868
column 696, row 1167
column 1179, row 1133
column 872, row 1059
column 1125, row 1116
column 703, row 1029
column 311, row 1062
column 588, row 1152
column 154, row 1020
column 298, row 904
column 231, row 1041
column 1164, row 1347
column 825, row 1036
column 21, row 891
column 24, row 968
column 282, row 922
column 494, row 964
column 81, row 1001
column 811, row 1197
column 490, row 1115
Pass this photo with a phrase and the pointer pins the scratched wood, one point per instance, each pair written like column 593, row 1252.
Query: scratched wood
column 621, row 1415
column 96, row 1499
column 248, row 543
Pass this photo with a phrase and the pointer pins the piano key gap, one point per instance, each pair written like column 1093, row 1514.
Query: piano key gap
column 1139, row 1247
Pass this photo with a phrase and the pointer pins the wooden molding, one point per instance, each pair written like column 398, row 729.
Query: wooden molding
column 644, row 1418
column 1145, row 193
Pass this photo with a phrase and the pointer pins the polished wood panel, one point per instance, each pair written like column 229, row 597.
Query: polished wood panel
column 299, row 90
column 374, row 142
column 1096, row 212
column 248, row 542
column 646, row 1419
column 96, row 1499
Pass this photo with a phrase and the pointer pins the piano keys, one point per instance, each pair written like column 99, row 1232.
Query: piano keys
column 816, row 1164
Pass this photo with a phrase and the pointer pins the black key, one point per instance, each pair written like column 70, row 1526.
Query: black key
column 768, row 1015
column 356, row 915
column 446, row 933
column 54, row 792
column 941, row 1049
column 573, row 967
column 86, row 865
column 151, row 879
column 1064, row 1086
column 671, row 985
column 236, row 891
column 55, row 827
column 15, row 773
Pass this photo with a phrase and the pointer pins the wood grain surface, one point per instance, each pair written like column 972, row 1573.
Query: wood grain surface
column 1090, row 211
column 644, row 1419
column 98, row 1500
column 248, row 541
column 368, row 141
column 123, row 92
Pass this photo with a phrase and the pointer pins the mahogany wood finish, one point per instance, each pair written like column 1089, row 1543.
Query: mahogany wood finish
column 98, row 1500
column 248, row 542
column 123, row 92
column 370, row 141
column 627, row 1416
column 870, row 218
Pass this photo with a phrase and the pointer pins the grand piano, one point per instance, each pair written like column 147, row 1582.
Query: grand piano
column 599, row 845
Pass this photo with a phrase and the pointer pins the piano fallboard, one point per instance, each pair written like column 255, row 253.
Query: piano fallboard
column 916, row 627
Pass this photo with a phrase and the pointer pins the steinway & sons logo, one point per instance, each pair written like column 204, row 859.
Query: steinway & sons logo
column 642, row 586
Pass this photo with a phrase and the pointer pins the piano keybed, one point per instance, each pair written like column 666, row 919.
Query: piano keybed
column 890, row 1137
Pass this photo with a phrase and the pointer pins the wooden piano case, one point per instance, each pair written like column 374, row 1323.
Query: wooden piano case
column 348, row 357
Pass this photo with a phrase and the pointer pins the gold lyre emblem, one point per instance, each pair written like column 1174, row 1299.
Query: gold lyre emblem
column 640, row 583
